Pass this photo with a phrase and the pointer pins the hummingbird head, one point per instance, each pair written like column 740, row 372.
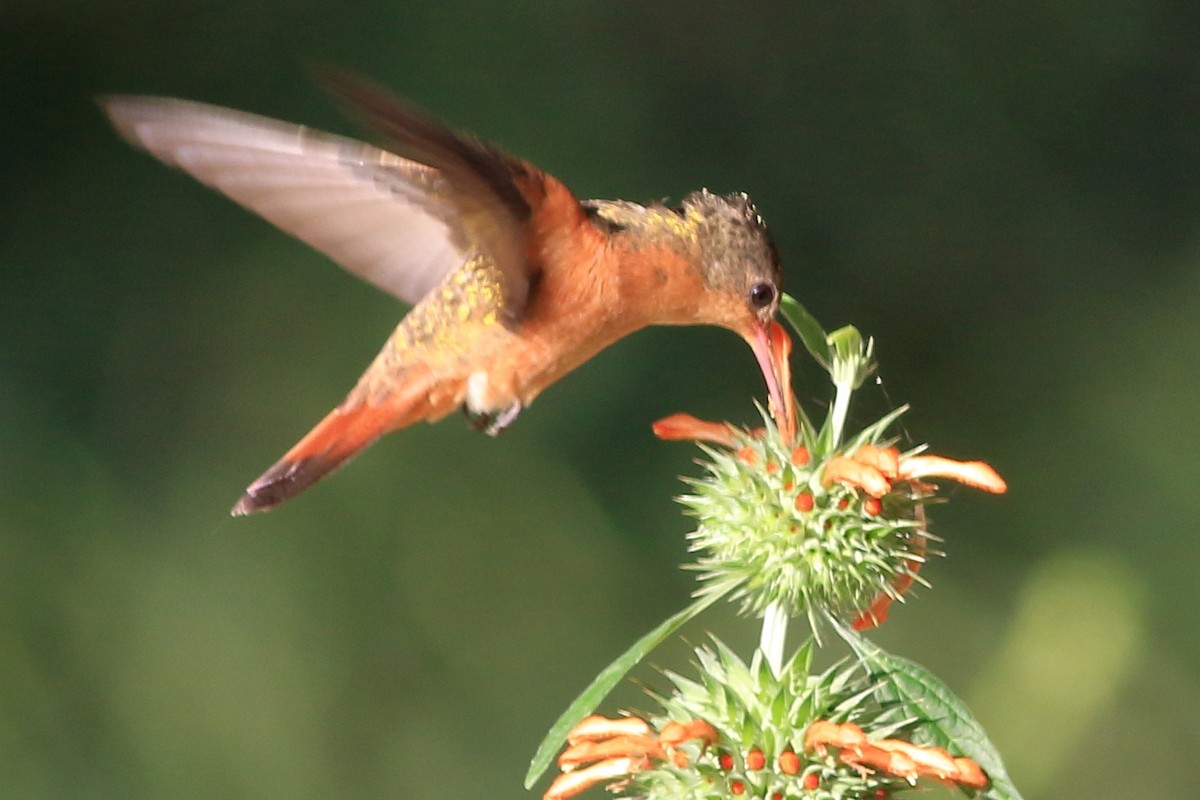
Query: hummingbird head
column 740, row 268
column 717, row 258
column 737, row 257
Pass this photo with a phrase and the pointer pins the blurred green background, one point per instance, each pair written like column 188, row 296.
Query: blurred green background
column 1007, row 196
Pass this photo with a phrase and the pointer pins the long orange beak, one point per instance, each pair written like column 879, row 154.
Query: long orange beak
column 772, row 347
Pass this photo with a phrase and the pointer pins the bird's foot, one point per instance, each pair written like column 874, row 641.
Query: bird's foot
column 492, row 422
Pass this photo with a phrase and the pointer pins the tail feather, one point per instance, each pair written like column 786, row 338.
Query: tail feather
column 342, row 434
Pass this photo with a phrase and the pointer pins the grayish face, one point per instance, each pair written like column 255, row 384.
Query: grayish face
column 739, row 252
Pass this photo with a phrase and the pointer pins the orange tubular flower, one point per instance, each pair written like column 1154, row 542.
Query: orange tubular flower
column 572, row 783
column 876, row 469
column 685, row 427
column 587, row 752
column 975, row 474
column 896, row 757
column 932, row 761
column 864, row 475
column 877, row 612
column 822, row 733
column 674, row 734
column 614, row 749
column 596, row 727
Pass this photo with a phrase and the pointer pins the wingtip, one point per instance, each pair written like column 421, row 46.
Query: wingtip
column 126, row 111
column 110, row 107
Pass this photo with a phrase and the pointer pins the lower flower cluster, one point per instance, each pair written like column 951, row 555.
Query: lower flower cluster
column 755, row 735
column 893, row 756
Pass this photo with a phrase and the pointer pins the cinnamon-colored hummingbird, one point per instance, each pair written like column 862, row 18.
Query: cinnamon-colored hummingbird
column 514, row 281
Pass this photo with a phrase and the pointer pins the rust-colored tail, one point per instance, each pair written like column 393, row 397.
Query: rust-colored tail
column 342, row 434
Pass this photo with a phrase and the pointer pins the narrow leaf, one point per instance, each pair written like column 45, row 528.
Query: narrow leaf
column 942, row 719
column 873, row 433
column 806, row 325
column 611, row 675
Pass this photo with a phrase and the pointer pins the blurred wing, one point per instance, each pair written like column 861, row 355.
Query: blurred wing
column 389, row 220
column 496, row 196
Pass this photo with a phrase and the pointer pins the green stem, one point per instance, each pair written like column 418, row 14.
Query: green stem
column 774, row 635
column 841, row 408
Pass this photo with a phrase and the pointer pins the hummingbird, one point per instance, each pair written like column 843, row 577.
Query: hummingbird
column 513, row 280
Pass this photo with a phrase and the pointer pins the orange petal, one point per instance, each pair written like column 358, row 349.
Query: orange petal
column 884, row 459
column 877, row 613
column 841, row 469
column 588, row 751
column 969, row 473
column 681, row 427
column 570, row 784
column 969, row 773
column 598, row 727
column 822, row 733
column 676, row 733
column 933, row 762
column 897, row 764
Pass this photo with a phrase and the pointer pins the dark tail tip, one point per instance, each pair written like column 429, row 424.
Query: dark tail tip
column 281, row 482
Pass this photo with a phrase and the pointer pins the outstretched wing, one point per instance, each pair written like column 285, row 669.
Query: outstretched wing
column 399, row 224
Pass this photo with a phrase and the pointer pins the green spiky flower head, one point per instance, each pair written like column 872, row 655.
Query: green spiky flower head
column 758, row 718
column 807, row 519
column 782, row 520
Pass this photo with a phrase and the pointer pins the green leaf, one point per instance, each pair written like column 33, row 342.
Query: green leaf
column 805, row 324
column 942, row 719
column 611, row 675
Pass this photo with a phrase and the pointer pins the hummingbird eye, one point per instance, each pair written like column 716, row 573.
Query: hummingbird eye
column 762, row 294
